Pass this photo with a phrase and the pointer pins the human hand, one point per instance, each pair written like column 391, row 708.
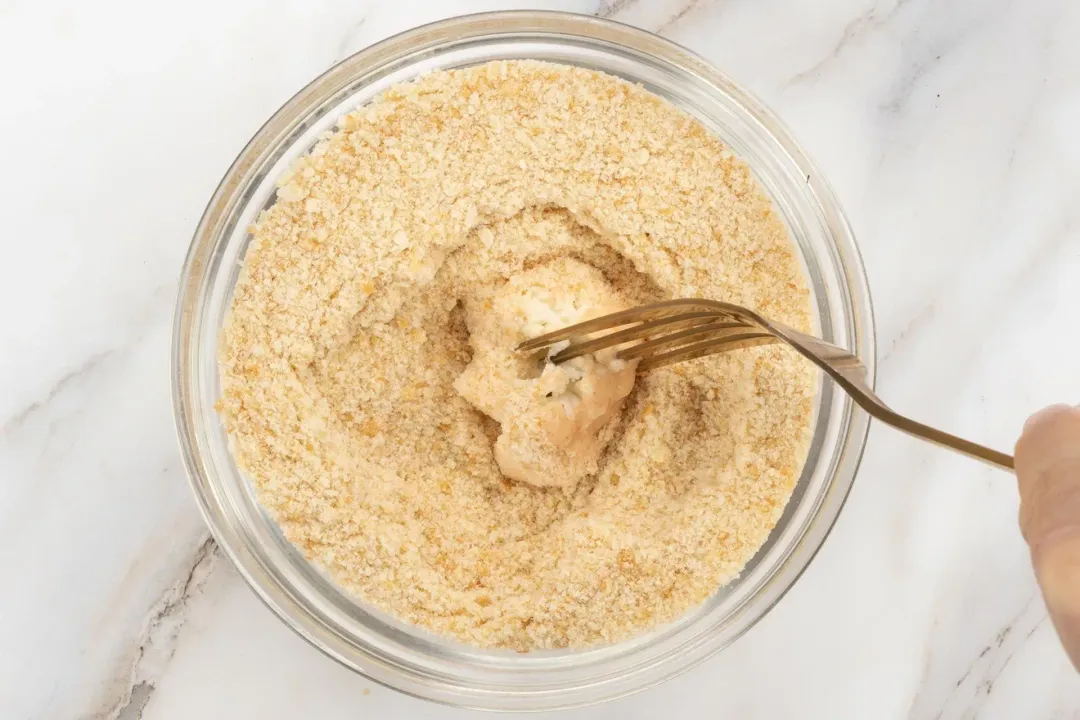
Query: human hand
column 1048, row 473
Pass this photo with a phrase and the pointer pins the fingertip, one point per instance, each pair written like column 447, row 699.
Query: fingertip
column 1050, row 414
column 1050, row 435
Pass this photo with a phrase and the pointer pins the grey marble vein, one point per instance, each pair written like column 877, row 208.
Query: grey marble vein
column 345, row 45
column 85, row 368
column 611, row 8
column 157, row 642
column 678, row 15
column 974, row 685
column 870, row 21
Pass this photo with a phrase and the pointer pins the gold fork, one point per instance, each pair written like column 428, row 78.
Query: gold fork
column 675, row 330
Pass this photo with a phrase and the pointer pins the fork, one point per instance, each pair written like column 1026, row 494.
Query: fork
column 676, row 330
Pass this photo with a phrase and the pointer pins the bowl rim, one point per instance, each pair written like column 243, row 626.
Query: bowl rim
column 477, row 26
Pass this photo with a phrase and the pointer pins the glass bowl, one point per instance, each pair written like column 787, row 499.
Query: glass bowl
column 407, row 658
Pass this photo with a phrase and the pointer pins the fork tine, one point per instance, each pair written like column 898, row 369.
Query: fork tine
column 685, row 337
column 706, row 347
column 645, row 329
column 644, row 313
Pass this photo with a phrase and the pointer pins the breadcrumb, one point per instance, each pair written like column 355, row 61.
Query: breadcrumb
column 350, row 323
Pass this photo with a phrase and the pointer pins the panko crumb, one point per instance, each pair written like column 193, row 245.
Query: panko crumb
column 350, row 324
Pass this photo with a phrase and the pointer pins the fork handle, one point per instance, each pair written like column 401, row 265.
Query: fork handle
column 850, row 374
column 940, row 437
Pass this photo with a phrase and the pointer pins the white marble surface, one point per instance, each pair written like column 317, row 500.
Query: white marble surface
column 948, row 128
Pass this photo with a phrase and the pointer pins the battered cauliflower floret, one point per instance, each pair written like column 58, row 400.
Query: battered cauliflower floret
column 556, row 419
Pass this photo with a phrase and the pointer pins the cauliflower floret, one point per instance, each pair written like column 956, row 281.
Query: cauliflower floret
column 556, row 419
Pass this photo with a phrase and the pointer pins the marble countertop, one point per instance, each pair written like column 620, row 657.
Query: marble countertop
column 949, row 132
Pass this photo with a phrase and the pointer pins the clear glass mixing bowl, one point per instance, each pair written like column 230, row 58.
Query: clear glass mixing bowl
column 407, row 658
